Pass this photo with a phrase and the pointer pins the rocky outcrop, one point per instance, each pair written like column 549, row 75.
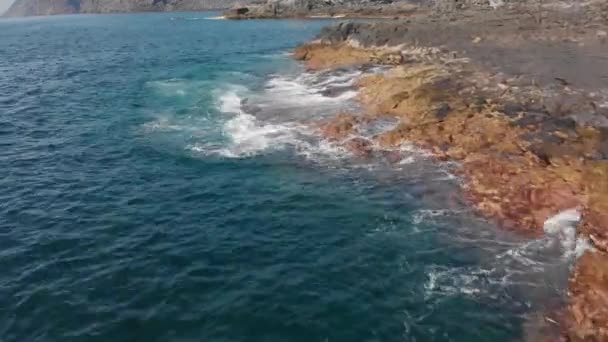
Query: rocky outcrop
column 21, row 8
column 53, row 7
column 319, row 56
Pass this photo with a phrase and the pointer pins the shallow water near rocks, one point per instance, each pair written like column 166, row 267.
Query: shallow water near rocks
column 160, row 182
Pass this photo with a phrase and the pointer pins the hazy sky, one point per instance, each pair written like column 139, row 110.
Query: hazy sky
column 4, row 5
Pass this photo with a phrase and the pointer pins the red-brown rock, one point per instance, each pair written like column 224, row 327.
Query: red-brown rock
column 359, row 146
column 588, row 299
column 340, row 127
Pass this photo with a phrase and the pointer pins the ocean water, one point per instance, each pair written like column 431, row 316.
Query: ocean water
column 161, row 180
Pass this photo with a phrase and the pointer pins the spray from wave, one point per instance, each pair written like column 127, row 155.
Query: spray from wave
column 562, row 229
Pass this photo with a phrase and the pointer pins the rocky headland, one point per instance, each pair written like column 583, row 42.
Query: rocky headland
column 22, row 8
column 322, row 8
column 382, row 9
column 517, row 96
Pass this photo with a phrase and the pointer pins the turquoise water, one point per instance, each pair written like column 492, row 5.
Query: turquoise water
column 160, row 181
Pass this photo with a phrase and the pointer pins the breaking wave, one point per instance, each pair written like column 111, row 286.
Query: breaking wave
column 266, row 115
column 247, row 135
column 510, row 265
column 276, row 117
column 562, row 229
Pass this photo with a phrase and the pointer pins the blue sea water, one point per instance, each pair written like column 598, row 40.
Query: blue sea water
column 160, row 181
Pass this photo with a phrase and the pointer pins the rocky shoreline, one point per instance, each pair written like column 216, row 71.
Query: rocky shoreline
column 528, row 125
column 23, row 8
column 379, row 9
column 273, row 9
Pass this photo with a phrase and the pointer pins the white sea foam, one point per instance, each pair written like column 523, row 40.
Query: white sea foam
column 407, row 160
column 560, row 236
column 250, row 137
column 230, row 101
column 193, row 18
column 526, row 264
column 447, row 281
column 562, row 227
column 321, row 150
column 161, row 124
column 247, row 135
column 175, row 87
column 296, row 91
column 496, row 3
column 307, row 89
column 271, row 119
column 423, row 215
column 169, row 123
column 406, row 147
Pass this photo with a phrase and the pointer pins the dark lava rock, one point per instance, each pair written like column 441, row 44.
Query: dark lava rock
column 546, row 150
column 241, row 10
column 442, row 111
column 559, row 124
column 544, row 137
column 378, row 33
column 511, row 110
column 598, row 120
column 603, row 149
column 530, row 119
column 336, row 91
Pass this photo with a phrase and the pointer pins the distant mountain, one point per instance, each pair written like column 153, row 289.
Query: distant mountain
column 51, row 7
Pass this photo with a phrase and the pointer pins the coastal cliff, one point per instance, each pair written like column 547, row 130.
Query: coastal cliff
column 53, row 7
column 530, row 133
